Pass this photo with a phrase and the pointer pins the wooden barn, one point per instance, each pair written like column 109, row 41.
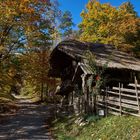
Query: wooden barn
column 69, row 62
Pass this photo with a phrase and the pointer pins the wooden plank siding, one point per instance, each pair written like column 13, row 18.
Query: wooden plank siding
column 120, row 100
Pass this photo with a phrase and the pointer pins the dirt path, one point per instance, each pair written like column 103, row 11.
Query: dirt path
column 30, row 123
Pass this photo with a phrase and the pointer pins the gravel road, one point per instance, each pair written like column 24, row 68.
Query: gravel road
column 29, row 123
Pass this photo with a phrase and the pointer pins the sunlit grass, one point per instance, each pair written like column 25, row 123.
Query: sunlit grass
column 5, row 97
column 110, row 128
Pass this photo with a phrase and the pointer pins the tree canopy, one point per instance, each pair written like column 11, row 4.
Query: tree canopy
column 26, row 34
column 66, row 24
column 119, row 26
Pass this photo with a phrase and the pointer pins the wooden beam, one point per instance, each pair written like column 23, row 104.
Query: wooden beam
column 125, row 95
column 137, row 95
column 114, row 103
column 125, row 90
column 120, row 86
column 116, row 99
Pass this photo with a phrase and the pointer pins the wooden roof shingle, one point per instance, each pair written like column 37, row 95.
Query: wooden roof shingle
column 103, row 54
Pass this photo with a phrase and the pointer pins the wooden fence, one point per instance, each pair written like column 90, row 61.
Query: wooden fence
column 120, row 100
column 117, row 100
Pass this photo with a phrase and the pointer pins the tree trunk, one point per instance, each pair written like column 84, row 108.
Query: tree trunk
column 42, row 91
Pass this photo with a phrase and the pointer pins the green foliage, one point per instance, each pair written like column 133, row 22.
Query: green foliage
column 110, row 25
column 5, row 97
column 97, row 77
column 25, row 26
column 128, row 6
column 10, row 77
column 110, row 128
column 36, row 75
column 28, row 89
column 91, row 118
column 66, row 24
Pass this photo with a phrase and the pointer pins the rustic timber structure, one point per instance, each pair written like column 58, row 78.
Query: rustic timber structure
column 68, row 62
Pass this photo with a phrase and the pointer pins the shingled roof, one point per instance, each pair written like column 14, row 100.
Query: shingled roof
column 103, row 54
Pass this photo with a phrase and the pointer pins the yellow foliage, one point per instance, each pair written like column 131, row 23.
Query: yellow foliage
column 108, row 24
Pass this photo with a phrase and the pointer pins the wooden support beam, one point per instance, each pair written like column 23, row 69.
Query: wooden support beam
column 106, row 97
column 72, row 94
column 84, row 89
column 137, row 95
column 120, row 97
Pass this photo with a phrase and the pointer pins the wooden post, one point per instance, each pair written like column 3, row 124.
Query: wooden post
column 82, row 105
column 84, row 89
column 120, row 86
column 137, row 96
column 87, row 99
column 76, row 105
column 97, row 108
column 106, row 95
column 92, row 100
column 120, row 97
column 72, row 97
column 79, row 106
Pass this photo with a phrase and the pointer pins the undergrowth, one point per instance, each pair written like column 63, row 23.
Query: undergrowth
column 95, row 128
column 5, row 97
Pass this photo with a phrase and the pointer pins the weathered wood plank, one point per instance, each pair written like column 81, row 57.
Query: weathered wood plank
column 109, row 107
column 106, row 98
column 114, row 113
column 129, row 113
column 119, row 99
column 125, row 95
column 137, row 96
column 133, row 85
column 123, row 104
column 125, row 90
column 117, row 110
column 120, row 90
column 127, row 101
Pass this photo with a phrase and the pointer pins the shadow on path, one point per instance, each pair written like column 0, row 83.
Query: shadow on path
column 30, row 123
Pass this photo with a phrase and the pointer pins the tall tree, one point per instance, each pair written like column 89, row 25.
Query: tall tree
column 19, row 20
column 107, row 24
column 128, row 6
column 38, row 54
column 66, row 24
column 55, row 16
column 25, row 25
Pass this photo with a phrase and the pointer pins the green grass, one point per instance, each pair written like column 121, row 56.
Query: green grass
column 109, row 128
column 5, row 97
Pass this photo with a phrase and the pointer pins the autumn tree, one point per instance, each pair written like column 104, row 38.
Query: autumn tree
column 10, row 76
column 66, row 24
column 128, row 6
column 110, row 25
column 130, row 9
column 75, row 34
column 38, row 54
column 18, row 21
column 25, row 26
column 55, row 14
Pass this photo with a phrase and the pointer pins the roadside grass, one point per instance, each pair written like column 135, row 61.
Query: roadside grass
column 5, row 97
column 109, row 128
column 7, row 105
column 32, row 97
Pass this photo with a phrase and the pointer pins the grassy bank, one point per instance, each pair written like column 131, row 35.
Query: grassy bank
column 5, row 97
column 109, row 128
column 7, row 105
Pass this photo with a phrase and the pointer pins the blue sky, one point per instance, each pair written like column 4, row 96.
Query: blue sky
column 76, row 6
